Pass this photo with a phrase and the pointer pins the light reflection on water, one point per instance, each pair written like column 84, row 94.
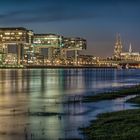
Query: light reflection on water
column 40, row 90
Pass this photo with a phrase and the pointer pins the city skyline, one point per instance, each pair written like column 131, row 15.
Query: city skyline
column 96, row 21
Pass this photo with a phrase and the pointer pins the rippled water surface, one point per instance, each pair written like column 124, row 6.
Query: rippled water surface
column 32, row 102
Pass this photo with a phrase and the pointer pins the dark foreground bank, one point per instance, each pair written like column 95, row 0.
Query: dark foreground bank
column 121, row 125
column 135, row 90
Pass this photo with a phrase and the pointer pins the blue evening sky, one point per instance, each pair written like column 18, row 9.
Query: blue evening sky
column 98, row 21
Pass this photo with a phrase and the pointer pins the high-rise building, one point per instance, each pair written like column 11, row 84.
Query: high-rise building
column 73, row 44
column 16, row 35
column 52, row 42
column 19, row 37
column 21, row 46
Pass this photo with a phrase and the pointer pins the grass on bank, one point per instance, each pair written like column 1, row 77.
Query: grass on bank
column 113, row 95
column 121, row 125
column 135, row 100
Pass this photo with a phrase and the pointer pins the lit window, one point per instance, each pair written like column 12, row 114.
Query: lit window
column 7, row 37
column 12, row 33
column 7, row 33
column 20, row 33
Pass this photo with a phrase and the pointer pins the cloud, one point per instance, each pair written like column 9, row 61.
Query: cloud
column 9, row 14
column 46, row 13
column 29, row 11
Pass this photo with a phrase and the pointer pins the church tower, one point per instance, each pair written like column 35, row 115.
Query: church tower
column 118, row 47
column 130, row 49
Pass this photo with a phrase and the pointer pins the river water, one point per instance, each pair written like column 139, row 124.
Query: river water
column 32, row 100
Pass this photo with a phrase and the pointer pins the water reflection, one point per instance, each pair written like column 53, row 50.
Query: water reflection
column 51, row 82
column 40, row 90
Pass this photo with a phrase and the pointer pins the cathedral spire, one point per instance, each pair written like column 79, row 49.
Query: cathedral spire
column 118, row 38
column 130, row 48
column 118, row 47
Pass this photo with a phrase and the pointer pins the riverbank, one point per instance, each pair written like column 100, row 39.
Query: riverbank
column 121, row 125
column 53, row 67
column 134, row 90
column 135, row 100
column 60, row 67
column 66, row 66
column 11, row 66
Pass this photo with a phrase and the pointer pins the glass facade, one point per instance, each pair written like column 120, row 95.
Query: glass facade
column 16, row 35
column 47, row 40
column 22, row 46
column 74, row 43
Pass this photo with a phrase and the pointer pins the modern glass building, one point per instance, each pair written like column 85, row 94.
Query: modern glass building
column 16, row 35
column 47, row 41
column 75, row 43
column 25, row 47
column 52, row 42
column 19, row 37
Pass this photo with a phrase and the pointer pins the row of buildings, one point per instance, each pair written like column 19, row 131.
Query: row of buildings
column 23, row 46
column 119, row 54
column 20, row 46
column 120, row 58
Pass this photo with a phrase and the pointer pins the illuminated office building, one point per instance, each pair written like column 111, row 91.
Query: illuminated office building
column 19, row 37
column 73, row 44
column 22, row 46
column 52, row 42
